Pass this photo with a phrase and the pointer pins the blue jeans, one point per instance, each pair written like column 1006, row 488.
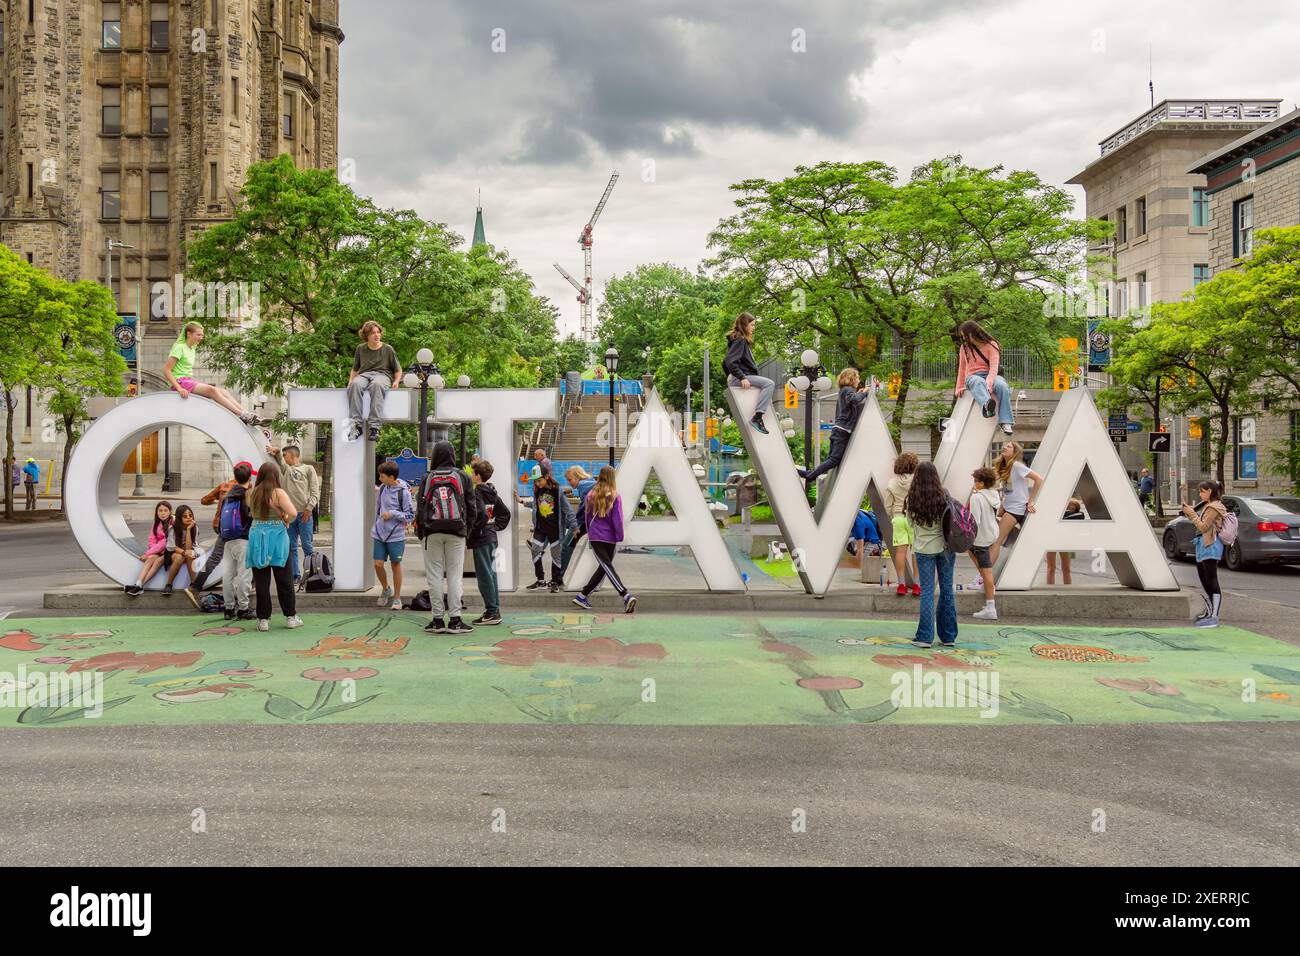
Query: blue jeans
column 928, row 565
column 978, row 387
column 765, row 388
column 299, row 529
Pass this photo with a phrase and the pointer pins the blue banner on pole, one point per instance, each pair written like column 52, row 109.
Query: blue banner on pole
column 1098, row 346
column 125, row 334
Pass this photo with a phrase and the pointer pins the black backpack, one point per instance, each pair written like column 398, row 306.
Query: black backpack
column 420, row 602
column 317, row 576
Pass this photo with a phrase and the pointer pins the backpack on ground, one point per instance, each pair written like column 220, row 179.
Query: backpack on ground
column 1228, row 530
column 212, row 603
column 234, row 522
column 420, row 602
column 442, row 505
column 317, row 575
column 958, row 527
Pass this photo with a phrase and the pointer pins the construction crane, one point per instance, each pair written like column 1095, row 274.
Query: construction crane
column 585, row 241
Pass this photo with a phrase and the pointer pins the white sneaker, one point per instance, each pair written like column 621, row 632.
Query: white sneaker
column 385, row 598
column 1008, row 430
column 396, row 605
column 986, row 614
column 263, row 625
column 293, row 622
column 976, row 585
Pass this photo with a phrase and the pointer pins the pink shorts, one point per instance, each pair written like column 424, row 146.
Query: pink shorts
column 186, row 383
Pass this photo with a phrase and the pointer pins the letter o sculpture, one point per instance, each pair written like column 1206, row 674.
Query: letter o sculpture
column 92, row 503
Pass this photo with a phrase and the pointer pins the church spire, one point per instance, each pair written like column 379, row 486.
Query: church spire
column 480, row 238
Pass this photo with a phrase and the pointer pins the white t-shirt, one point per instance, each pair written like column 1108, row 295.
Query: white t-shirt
column 1016, row 499
column 984, row 509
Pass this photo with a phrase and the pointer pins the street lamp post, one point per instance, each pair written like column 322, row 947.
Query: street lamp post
column 611, row 365
column 807, row 381
column 423, row 374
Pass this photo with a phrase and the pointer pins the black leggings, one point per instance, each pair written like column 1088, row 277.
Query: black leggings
column 1208, row 571
column 283, row 590
column 604, row 552
column 839, row 443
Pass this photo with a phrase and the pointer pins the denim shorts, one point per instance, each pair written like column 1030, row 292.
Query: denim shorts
column 388, row 550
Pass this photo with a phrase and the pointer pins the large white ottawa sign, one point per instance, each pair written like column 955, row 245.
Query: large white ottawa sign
column 1075, row 455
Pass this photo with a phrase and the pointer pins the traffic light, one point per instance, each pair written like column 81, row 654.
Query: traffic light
column 791, row 396
column 1060, row 380
column 695, row 432
column 711, row 428
column 1194, row 428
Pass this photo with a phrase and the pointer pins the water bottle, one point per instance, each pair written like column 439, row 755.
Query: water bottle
column 882, row 576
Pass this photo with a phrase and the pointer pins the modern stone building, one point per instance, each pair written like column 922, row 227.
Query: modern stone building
column 134, row 122
column 1253, row 183
column 1145, row 184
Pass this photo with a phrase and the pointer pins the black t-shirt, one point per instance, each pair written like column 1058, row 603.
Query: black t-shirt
column 548, row 515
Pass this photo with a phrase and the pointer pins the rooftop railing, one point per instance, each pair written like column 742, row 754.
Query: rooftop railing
column 1261, row 111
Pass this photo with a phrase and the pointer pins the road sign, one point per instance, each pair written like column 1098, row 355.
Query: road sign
column 1117, row 432
column 827, row 426
column 1117, row 421
column 1158, row 443
column 1135, row 426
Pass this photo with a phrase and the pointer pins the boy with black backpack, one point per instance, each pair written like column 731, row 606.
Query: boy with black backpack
column 233, row 521
column 447, row 510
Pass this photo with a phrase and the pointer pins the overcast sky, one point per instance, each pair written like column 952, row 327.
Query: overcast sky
column 712, row 92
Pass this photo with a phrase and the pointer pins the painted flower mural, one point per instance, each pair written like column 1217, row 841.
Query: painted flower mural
column 356, row 648
column 593, row 652
column 328, row 681
column 140, row 663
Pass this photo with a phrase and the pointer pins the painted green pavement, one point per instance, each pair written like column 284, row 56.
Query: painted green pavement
column 646, row 669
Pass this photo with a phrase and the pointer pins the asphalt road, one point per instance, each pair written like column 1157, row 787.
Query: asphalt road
column 1171, row 795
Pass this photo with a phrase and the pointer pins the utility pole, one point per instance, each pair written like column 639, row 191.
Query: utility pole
column 708, row 404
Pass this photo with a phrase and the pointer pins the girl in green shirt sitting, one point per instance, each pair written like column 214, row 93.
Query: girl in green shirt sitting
column 179, row 370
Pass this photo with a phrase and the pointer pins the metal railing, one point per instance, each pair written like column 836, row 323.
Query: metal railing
column 1193, row 111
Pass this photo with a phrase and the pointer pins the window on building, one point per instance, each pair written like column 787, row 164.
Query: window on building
column 1121, row 296
column 29, row 258
column 1293, row 450
column 160, row 291
column 112, row 17
column 1142, row 297
column 159, row 117
column 287, row 110
column 31, row 181
column 2, row 35
column 110, row 191
column 1245, row 461
column 1121, row 224
column 1200, row 273
column 115, row 289
column 1200, row 208
column 212, row 182
column 158, row 26
column 112, row 111
column 1243, row 227
column 158, row 195
column 234, row 98
column 1141, row 217
column 329, row 62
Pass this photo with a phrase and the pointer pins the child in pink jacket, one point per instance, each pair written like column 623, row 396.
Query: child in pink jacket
column 155, row 555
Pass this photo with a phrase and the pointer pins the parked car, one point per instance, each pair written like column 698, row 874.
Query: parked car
column 1268, row 530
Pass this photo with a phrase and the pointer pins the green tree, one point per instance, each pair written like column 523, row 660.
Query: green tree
column 86, row 365
column 843, row 256
column 47, row 340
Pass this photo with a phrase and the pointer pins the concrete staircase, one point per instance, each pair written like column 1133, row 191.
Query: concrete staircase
column 584, row 433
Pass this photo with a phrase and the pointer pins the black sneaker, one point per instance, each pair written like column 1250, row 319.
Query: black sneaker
column 555, row 586
column 990, row 408
column 134, row 590
column 436, row 626
column 228, row 615
column 245, row 615
column 536, row 586
column 373, row 433
column 167, row 590
column 457, row 626
column 487, row 617
column 802, row 473
column 757, row 422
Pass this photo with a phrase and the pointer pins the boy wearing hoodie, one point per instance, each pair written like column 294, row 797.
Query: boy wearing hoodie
column 984, row 509
column 234, row 518
column 483, row 541
column 447, row 509
column 394, row 510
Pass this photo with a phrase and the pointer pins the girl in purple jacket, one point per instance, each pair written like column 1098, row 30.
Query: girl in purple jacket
column 603, row 519
column 154, row 556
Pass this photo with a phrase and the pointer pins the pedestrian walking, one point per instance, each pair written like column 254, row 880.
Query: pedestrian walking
column 233, row 521
column 446, row 509
column 603, row 513
column 1209, row 519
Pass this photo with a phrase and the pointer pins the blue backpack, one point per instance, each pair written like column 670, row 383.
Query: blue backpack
column 234, row 519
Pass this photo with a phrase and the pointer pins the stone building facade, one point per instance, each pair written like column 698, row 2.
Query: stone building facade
column 1144, row 184
column 1254, row 183
column 135, row 122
